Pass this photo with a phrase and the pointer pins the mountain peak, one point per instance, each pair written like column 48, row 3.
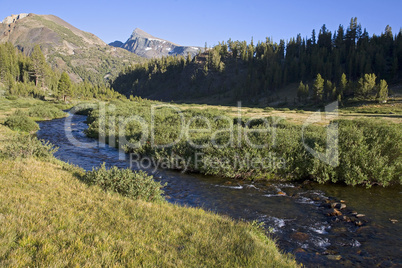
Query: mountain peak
column 140, row 33
column 148, row 46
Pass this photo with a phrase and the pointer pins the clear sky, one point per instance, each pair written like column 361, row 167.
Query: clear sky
column 195, row 22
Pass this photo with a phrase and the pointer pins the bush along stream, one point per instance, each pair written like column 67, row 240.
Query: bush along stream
column 369, row 152
column 322, row 224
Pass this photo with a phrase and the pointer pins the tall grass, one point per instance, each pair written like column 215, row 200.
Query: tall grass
column 49, row 218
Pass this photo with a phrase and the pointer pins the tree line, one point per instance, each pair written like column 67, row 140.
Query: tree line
column 238, row 69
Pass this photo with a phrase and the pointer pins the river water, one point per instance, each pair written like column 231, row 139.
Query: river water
column 294, row 214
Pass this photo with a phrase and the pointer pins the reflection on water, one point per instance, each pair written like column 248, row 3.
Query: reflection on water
column 294, row 213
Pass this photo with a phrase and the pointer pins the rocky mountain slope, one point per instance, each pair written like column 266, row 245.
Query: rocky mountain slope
column 148, row 46
column 83, row 55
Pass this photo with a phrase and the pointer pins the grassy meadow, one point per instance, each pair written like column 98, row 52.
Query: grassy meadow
column 54, row 214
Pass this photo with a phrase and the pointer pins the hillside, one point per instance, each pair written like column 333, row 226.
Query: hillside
column 148, row 46
column 83, row 55
column 346, row 65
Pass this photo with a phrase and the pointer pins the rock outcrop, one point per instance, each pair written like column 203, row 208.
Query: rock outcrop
column 14, row 18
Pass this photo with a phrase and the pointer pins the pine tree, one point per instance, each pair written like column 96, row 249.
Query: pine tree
column 313, row 38
column 302, row 91
column 64, row 86
column 366, row 85
column 382, row 94
column 343, row 85
column 39, row 66
column 318, row 88
column 188, row 60
column 328, row 90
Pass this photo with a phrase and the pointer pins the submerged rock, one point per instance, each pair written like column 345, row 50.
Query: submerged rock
column 358, row 223
column 299, row 250
column 346, row 218
column 333, row 212
column 299, row 236
column 334, row 257
column 338, row 205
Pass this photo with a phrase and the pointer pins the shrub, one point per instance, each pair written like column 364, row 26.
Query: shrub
column 12, row 97
column 135, row 185
column 84, row 108
column 25, row 146
column 21, row 123
column 268, row 109
column 45, row 112
column 20, row 113
column 370, row 152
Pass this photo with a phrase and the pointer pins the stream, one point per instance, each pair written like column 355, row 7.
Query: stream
column 367, row 234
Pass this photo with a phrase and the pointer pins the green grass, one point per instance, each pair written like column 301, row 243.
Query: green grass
column 49, row 217
column 393, row 106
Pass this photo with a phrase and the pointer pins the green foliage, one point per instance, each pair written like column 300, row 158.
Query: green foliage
column 318, row 88
column 382, row 94
column 359, row 143
column 40, row 69
column 366, row 85
column 12, row 98
column 21, row 123
column 302, row 92
column 370, row 152
column 269, row 109
column 22, row 75
column 136, row 185
column 45, row 111
column 343, row 85
column 64, row 86
column 25, row 146
column 84, row 108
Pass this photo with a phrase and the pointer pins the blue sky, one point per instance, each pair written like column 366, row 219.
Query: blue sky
column 196, row 22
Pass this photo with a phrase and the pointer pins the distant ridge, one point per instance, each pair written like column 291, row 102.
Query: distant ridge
column 116, row 44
